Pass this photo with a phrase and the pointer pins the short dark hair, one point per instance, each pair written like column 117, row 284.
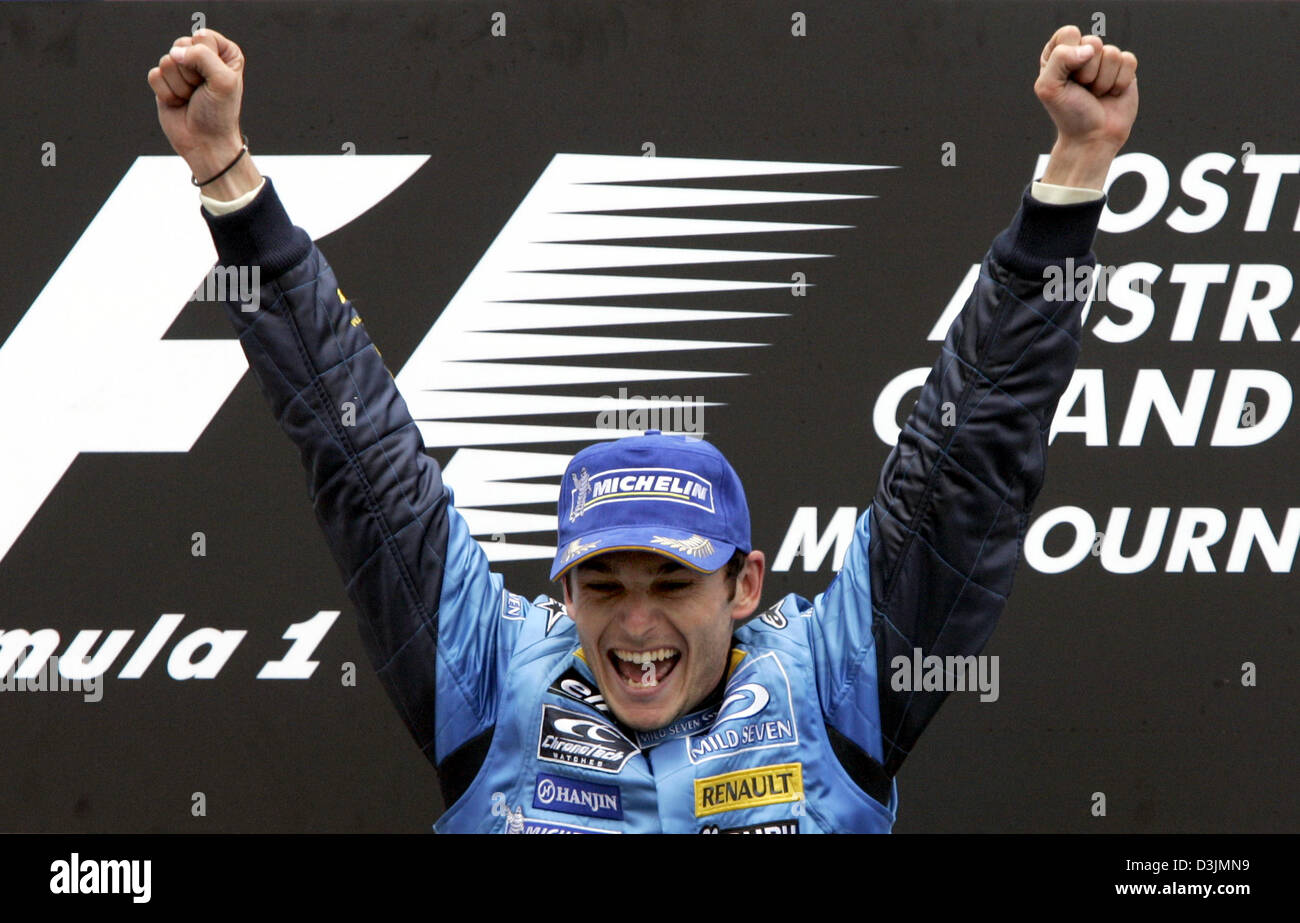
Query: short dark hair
column 730, row 572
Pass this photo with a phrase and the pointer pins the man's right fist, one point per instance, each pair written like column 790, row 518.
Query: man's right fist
column 199, row 84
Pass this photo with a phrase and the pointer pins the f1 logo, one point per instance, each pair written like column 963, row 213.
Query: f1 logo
column 89, row 358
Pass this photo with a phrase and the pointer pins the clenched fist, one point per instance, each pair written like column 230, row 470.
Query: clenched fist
column 1090, row 91
column 199, row 84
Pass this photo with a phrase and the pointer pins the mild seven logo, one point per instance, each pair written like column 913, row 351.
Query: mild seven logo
column 756, row 714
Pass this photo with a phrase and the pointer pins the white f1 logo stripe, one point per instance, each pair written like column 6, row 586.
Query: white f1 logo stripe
column 91, row 371
column 87, row 370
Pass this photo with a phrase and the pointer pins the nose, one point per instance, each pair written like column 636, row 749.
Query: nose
column 638, row 616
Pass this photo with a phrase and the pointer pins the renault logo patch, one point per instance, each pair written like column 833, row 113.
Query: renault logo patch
column 749, row 788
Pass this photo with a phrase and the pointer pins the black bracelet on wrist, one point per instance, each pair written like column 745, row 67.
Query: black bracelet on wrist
column 242, row 152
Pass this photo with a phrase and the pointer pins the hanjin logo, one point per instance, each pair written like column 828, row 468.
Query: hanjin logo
column 581, row 740
column 573, row 796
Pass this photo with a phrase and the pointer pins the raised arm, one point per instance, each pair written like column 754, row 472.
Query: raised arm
column 430, row 610
column 953, row 502
column 932, row 559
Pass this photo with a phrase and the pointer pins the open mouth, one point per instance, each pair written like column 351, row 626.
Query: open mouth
column 644, row 669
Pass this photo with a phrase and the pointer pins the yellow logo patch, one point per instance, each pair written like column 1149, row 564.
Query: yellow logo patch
column 737, row 655
column 748, row 788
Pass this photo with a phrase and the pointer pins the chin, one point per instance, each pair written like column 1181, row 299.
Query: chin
column 643, row 717
column 647, row 727
column 646, row 713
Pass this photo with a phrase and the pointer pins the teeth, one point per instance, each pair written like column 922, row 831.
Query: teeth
column 662, row 653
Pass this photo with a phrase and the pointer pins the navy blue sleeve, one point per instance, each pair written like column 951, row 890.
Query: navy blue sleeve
column 949, row 515
column 430, row 610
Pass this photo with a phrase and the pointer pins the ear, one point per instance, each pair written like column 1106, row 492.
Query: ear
column 749, row 586
column 564, row 582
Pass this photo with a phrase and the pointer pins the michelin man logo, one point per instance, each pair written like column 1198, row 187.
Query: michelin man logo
column 514, row 818
column 582, row 490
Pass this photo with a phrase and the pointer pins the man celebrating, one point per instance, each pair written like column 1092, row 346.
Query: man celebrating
column 651, row 700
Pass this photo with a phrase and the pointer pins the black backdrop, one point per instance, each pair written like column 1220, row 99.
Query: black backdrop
column 1126, row 684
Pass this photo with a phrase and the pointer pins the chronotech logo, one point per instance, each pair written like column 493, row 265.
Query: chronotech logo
column 582, row 740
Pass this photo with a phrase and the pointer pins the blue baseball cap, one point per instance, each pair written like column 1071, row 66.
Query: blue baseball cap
column 673, row 495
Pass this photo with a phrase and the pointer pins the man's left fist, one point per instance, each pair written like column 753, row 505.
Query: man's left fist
column 1089, row 89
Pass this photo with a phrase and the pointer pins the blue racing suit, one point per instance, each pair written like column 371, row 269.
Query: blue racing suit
column 804, row 732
